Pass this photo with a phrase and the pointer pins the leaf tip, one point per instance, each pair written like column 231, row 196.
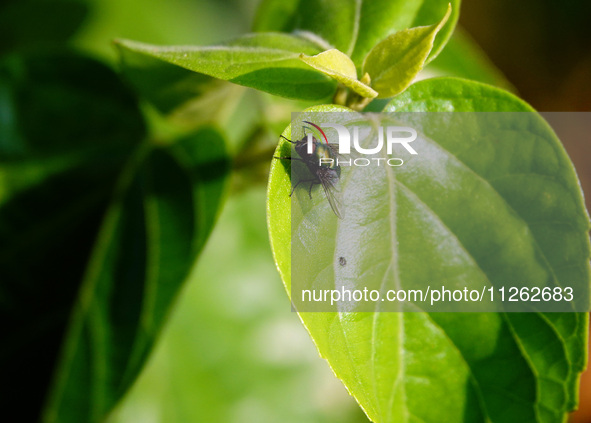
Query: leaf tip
column 446, row 16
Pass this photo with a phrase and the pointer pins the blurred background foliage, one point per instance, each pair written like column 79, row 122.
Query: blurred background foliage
column 231, row 351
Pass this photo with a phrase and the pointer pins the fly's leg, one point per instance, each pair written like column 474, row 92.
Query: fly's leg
column 310, row 188
column 287, row 139
column 288, row 158
column 299, row 182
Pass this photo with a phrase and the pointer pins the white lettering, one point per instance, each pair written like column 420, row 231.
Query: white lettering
column 344, row 136
column 390, row 139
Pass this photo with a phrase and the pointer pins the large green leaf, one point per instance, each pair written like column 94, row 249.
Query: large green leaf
column 452, row 94
column 356, row 26
column 162, row 212
column 69, row 129
column 67, row 126
column 268, row 62
column 457, row 367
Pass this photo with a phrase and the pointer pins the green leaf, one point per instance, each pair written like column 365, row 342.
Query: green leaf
column 268, row 62
column 162, row 213
column 339, row 66
column 273, row 15
column 186, row 99
column 394, row 62
column 452, row 94
column 67, row 127
column 167, row 87
column 379, row 19
column 178, row 381
column 460, row 367
column 356, row 26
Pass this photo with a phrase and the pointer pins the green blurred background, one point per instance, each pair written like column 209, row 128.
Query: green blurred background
column 232, row 351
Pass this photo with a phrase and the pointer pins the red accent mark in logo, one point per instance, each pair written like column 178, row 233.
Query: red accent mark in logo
column 320, row 129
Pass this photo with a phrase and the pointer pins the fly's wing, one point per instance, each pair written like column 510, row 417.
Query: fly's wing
column 328, row 180
column 334, row 148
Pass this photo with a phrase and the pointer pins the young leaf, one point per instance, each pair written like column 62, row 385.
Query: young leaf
column 380, row 19
column 394, row 62
column 339, row 66
column 268, row 62
column 355, row 26
column 433, row 367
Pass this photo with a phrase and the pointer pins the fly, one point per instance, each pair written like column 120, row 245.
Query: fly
column 326, row 173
